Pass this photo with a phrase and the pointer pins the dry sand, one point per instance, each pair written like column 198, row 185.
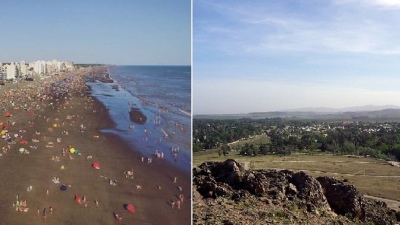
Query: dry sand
column 37, row 169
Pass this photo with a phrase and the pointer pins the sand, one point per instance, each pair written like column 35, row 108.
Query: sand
column 56, row 125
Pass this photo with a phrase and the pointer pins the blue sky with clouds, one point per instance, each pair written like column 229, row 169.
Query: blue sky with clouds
column 137, row 32
column 283, row 54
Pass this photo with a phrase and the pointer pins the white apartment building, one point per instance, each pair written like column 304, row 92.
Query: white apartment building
column 22, row 69
column 2, row 72
column 51, row 67
column 39, row 67
column 11, row 71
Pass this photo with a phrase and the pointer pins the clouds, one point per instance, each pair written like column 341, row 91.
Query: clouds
column 336, row 52
column 381, row 4
column 265, row 28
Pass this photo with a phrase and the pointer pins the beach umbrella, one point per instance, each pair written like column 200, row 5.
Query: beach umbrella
column 21, row 150
column 63, row 187
column 78, row 198
column 23, row 142
column 96, row 165
column 7, row 114
column 72, row 150
column 31, row 113
column 130, row 208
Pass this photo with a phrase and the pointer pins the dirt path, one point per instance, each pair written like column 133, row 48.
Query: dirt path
column 393, row 204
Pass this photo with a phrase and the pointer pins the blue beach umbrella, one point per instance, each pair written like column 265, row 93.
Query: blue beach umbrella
column 63, row 187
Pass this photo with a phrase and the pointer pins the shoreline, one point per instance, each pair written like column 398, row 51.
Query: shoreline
column 115, row 156
column 157, row 132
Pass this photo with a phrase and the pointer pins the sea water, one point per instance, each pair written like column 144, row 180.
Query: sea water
column 163, row 95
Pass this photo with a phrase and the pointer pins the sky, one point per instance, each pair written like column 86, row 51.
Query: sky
column 122, row 32
column 258, row 56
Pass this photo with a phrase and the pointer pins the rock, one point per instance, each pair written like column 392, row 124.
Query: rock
column 224, row 193
column 310, row 190
column 228, row 172
column 267, row 182
column 291, row 190
column 343, row 198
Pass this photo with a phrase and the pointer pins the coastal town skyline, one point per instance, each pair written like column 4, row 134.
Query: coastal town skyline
column 281, row 55
column 97, row 32
column 19, row 70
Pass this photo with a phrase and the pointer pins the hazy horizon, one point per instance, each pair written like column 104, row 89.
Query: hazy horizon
column 280, row 55
column 317, row 110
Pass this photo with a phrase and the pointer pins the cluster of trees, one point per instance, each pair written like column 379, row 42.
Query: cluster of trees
column 380, row 140
column 211, row 134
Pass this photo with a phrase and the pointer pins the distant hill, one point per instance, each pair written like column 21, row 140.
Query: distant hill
column 369, row 112
column 347, row 109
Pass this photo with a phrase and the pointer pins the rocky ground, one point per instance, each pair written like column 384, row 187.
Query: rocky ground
column 225, row 193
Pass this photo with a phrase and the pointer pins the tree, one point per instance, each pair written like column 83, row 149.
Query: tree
column 225, row 149
column 263, row 149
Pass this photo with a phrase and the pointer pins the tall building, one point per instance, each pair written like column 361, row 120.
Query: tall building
column 11, row 71
column 2, row 72
column 22, row 69
column 39, row 67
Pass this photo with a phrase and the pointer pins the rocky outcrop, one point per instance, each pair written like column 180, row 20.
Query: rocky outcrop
column 310, row 191
column 262, row 196
column 343, row 198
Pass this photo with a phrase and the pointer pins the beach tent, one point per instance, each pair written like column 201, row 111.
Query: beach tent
column 130, row 208
column 63, row 187
column 96, row 165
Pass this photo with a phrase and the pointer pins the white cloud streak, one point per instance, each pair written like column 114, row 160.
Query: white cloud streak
column 382, row 4
column 262, row 31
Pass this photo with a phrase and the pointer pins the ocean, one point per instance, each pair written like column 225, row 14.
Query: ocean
column 163, row 95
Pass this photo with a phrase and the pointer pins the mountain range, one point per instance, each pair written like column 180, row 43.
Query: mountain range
column 367, row 112
column 347, row 109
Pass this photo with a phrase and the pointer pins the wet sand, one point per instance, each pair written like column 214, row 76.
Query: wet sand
column 49, row 126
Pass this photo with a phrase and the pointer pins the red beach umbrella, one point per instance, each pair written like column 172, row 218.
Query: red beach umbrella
column 7, row 114
column 96, row 165
column 78, row 198
column 130, row 208
column 4, row 125
column 23, row 142
column 31, row 113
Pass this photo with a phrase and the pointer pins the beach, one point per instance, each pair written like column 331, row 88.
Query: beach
column 51, row 141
